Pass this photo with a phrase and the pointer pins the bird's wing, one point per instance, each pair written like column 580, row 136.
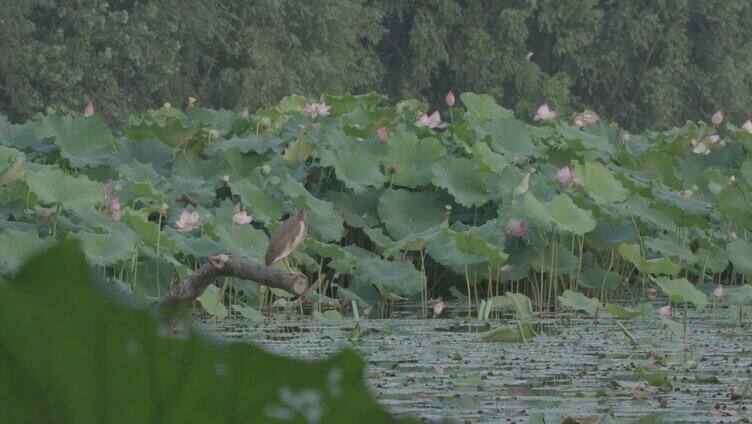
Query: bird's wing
column 282, row 241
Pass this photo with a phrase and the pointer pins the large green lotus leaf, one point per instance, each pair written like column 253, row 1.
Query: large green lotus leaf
column 670, row 249
column 238, row 165
column 482, row 108
column 354, row 166
column 599, row 279
column 262, row 206
column 405, row 213
column 461, row 178
column 565, row 263
column 599, row 183
column 299, row 151
column 474, row 245
column 512, row 138
column 212, row 303
column 519, row 263
column 711, row 257
column 24, row 137
column 608, row 235
column 243, row 240
column 173, row 131
column 221, row 120
column 488, row 160
column 739, row 295
column 106, row 249
column 188, row 166
column 688, row 205
column 399, row 278
column 580, row 140
column 734, row 205
column 152, row 152
column 55, row 186
column 580, row 302
column 681, row 290
column 740, row 253
column 562, row 212
column 413, row 158
column 80, row 347
column 139, row 172
column 631, row 252
column 16, row 247
column 640, row 210
column 83, row 141
column 324, row 221
column 149, row 232
column 623, row 312
column 249, row 143
column 358, row 210
column 197, row 189
column 199, row 247
column 443, row 249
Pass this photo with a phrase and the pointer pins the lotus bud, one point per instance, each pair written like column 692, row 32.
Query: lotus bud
column 747, row 126
column 565, row 175
column 718, row 292
column 664, row 311
column 393, row 169
column 693, row 142
column 266, row 170
column 717, row 118
column 89, row 110
column 226, row 179
column 447, row 207
column 118, row 188
column 517, row 228
column 383, row 133
column 529, row 56
column 732, row 179
column 438, row 307
column 167, row 105
column 246, row 112
column 266, row 121
column 191, row 101
column 732, row 235
column 164, row 208
column 449, row 98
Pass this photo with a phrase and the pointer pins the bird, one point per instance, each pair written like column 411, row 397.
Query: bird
column 288, row 236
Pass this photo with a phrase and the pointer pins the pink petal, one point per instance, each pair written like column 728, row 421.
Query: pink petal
column 383, row 133
column 565, row 175
column 717, row 118
column 718, row 292
column 89, row 110
column 449, row 99
column 664, row 311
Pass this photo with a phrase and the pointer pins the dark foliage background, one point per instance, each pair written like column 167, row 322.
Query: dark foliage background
column 642, row 63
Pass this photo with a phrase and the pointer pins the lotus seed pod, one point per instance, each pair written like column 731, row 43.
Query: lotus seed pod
column 448, row 207
column 191, row 101
column 163, row 210
column 732, row 179
column 226, row 179
column 118, row 187
column 167, row 105
column 393, row 169
column 266, row 170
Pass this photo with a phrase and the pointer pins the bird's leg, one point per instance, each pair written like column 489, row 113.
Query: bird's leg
column 287, row 265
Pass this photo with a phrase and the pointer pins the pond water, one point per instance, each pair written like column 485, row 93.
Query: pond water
column 441, row 368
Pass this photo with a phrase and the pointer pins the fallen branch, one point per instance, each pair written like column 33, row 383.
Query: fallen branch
column 231, row 266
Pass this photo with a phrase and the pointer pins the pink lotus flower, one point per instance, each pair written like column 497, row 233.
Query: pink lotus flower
column 115, row 209
column 664, row 311
column 718, row 292
column 544, row 113
column 517, row 228
column 449, row 98
column 187, row 221
column 316, row 109
column 393, row 169
column 383, row 133
column 242, row 218
column 717, row 118
column 585, row 118
column 89, row 110
column 432, row 121
column 438, row 307
column 565, row 175
column 747, row 126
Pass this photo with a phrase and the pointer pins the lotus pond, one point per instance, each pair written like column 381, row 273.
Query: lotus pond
column 600, row 271
column 578, row 369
